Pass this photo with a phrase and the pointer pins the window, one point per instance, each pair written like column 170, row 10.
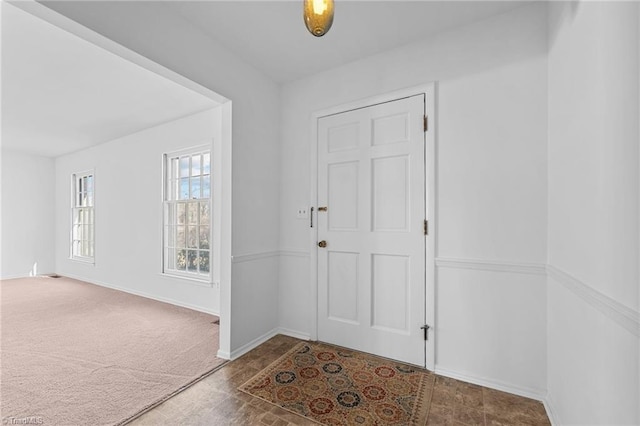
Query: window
column 82, row 217
column 187, row 214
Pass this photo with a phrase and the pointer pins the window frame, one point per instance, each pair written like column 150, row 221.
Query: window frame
column 75, row 178
column 167, row 181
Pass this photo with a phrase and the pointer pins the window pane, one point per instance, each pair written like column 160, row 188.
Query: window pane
column 184, row 167
column 195, row 165
column 181, row 260
column 195, row 187
column 172, row 190
column 170, row 214
column 203, row 261
column 171, row 258
column 180, row 237
column 90, row 183
column 206, row 164
column 204, row 237
column 206, row 186
column 181, row 213
column 184, row 189
column 170, row 236
column 192, row 261
column 192, row 213
column 204, row 214
column 192, row 239
column 174, row 169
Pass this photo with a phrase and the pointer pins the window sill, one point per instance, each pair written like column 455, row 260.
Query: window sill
column 85, row 260
column 206, row 282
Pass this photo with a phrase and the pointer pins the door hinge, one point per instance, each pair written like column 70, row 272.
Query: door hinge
column 425, row 228
column 425, row 328
column 425, row 123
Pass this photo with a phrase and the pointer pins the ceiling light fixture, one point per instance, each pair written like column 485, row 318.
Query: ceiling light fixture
column 318, row 16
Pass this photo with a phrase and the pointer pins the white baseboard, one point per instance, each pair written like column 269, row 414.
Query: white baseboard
column 260, row 340
column 146, row 295
column 552, row 413
column 14, row 277
column 294, row 333
column 536, row 394
column 252, row 344
column 223, row 354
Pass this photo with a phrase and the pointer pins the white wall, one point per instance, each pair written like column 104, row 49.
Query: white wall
column 160, row 35
column 27, row 224
column 593, row 251
column 491, row 218
column 128, row 211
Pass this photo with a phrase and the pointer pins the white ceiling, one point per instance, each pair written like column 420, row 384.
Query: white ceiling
column 61, row 93
column 272, row 37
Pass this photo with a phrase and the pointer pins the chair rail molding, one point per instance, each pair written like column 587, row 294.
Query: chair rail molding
column 250, row 257
column 492, row 265
column 623, row 315
column 294, row 253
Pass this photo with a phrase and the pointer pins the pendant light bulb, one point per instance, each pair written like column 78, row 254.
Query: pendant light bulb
column 318, row 16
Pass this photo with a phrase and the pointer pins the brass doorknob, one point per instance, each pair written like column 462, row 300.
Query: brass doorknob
column 322, row 244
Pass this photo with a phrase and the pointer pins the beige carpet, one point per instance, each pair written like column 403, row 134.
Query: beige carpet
column 73, row 353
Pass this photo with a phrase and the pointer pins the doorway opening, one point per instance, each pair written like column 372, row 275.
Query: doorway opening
column 103, row 193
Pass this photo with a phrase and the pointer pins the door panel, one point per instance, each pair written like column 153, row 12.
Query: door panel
column 391, row 207
column 391, row 290
column 343, row 287
column 343, row 196
column 371, row 274
column 343, row 138
column 390, row 129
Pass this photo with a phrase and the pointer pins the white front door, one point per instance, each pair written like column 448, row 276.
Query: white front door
column 371, row 273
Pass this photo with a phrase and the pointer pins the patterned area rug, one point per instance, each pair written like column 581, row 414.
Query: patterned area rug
column 335, row 386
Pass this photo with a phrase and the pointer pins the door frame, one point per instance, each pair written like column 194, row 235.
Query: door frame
column 430, row 91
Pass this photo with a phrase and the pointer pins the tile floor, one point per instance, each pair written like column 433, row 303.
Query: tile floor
column 216, row 400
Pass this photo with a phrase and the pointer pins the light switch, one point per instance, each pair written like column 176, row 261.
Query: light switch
column 303, row 213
